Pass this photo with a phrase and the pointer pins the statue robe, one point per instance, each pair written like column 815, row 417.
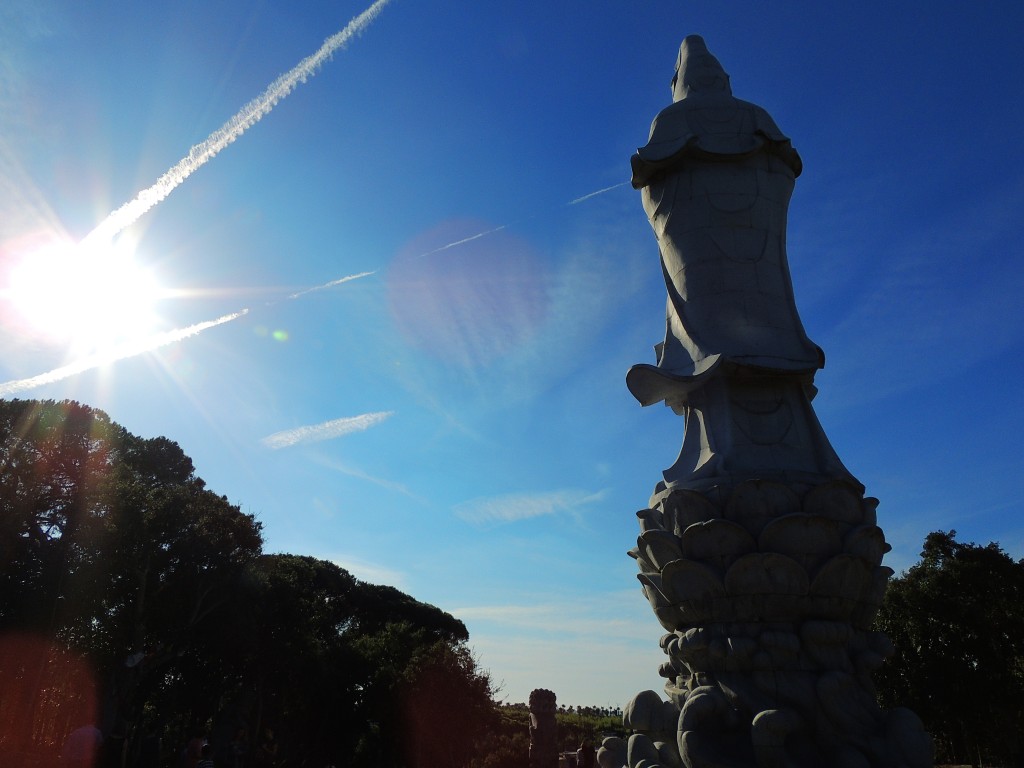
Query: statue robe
column 716, row 178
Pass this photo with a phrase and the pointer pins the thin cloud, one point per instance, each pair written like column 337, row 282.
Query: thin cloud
column 361, row 475
column 244, row 119
column 622, row 615
column 328, row 430
column 523, row 506
column 120, row 352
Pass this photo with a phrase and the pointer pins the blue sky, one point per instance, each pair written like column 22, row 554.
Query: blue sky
column 454, row 420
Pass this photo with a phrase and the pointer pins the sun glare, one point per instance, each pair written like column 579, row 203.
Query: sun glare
column 88, row 298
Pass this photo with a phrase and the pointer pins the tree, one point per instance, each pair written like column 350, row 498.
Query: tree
column 956, row 619
column 133, row 596
column 447, row 707
column 112, row 548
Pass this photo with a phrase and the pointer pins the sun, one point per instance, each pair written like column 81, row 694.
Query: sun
column 89, row 298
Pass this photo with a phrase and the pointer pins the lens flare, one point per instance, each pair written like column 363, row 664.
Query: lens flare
column 468, row 292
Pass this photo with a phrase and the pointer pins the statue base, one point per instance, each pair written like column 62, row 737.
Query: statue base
column 767, row 594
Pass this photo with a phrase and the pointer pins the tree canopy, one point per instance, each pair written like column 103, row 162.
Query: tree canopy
column 135, row 599
column 956, row 619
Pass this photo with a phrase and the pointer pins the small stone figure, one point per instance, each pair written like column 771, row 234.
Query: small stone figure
column 758, row 552
column 543, row 730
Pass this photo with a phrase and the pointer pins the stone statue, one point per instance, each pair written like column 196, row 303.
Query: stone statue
column 758, row 551
column 543, row 730
column 715, row 178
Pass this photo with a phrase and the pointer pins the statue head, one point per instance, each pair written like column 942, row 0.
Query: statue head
column 698, row 71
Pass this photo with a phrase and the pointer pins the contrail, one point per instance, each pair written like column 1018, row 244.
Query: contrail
column 130, row 349
column 463, row 240
column 331, row 284
column 599, row 192
column 478, row 235
column 246, row 117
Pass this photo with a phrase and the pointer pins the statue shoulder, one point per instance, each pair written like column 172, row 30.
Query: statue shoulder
column 763, row 122
column 777, row 142
column 671, row 133
column 721, row 128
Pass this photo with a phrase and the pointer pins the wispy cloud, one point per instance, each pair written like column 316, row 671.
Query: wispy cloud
column 522, row 506
column 120, row 352
column 244, row 119
column 325, row 431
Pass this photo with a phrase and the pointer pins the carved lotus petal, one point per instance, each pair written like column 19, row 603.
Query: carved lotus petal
column 844, row 576
column 836, row 500
column 659, row 547
column 717, row 543
column 766, row 573
column 644, row 712
column 646, row 566
column 650, row 519
column 807, row 539
column 641, row 752
column 867, row 543
column 612, row 753
column 684, row 581
column 695, row 639
column 771, row 728
column 683, row 508
column 668, row 753
column 825, row 633
column 871, row 599
column 870, row 507
column 846, row 703
column 668, row 614
column 827, row 643
column 879, row 581
column 706, row 710
column 754, row 503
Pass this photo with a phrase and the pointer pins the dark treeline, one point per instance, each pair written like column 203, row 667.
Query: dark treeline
column 136, row 600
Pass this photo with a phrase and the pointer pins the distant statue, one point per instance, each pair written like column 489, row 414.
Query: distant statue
column 543, row 730
column 716, row 178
